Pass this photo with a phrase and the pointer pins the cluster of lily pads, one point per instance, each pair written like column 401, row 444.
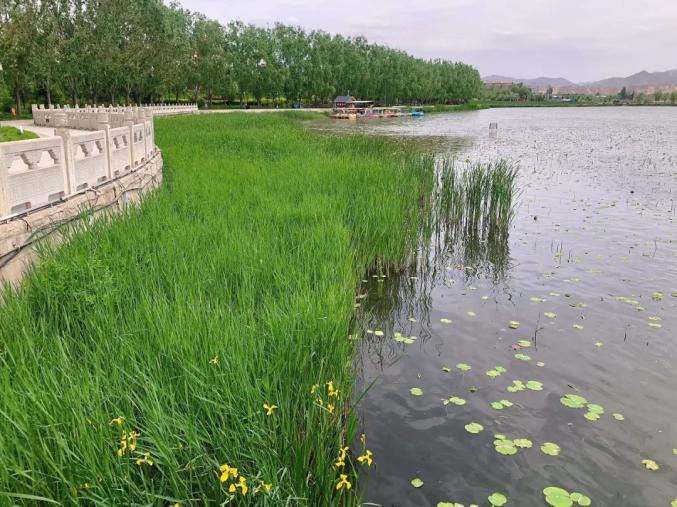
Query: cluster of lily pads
column 594, row 412
column 558, row 497
column 407, row 340
column 518, row 385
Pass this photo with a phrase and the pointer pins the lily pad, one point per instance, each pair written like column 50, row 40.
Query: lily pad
column 534, row 385
column 524, row 343
column 473, row 427
column 522, row 357
column 595, row 409
column 513, row 324
column 463, row 367
column 550, row 449
column 591, row 416
column 573, row 401
column 446, row 369
column 506, row 403
column 471, row 314
column 557, row 497
column 497, row 499
column 580, row 498
column 618, row 417
column 497, row 405
column 378, row 333
column 445, row 321
column 416, row 391
column 523, row 443
column 505, row 447
column 455, row 400
column 577, row 326
column 416, row 482
column 493, row 373
column 500, row 369
column 550, row 315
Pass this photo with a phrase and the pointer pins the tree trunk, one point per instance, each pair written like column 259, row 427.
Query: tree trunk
column 49, row 96
column 17, row 95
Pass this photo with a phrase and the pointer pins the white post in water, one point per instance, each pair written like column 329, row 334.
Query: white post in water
column 493, row 126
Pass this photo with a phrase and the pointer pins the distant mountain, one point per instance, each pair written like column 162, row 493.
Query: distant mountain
column 537, row 82
column 641, row 81
column 644, row 78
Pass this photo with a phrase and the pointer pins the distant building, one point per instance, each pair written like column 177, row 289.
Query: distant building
column 343, row 101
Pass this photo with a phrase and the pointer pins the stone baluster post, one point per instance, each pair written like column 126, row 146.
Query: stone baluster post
column 103, row 123
column 61, row 130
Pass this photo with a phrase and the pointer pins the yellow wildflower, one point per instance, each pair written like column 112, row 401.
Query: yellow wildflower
column 331, row 390
column 314, row 388
column 267, row 486
column 145, row 460
column 118, row 421
column 214, row 360
column 227, row 472
column 269, row 408
column 365, row 458
column 340, row 463
column 344, row 452
column 242, row 484
column 363, row 439
column 330, row 407
column 343, row 481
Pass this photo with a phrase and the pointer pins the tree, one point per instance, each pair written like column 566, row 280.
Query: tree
column 623, row 93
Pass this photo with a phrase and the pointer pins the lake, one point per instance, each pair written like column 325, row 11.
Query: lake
column 583, row 291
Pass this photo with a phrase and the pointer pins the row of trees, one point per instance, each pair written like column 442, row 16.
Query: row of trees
column 144, row 50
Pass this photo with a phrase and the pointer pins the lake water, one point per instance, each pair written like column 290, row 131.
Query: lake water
column 590, row 273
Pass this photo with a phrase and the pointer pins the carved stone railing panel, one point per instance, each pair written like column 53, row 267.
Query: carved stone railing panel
column 32, row 174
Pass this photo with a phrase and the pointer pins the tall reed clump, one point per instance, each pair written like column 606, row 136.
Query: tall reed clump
column 479, row 197
column 196, row 349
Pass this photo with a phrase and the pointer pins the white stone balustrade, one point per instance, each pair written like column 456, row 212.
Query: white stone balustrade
column 40, row 172
column 85, row 118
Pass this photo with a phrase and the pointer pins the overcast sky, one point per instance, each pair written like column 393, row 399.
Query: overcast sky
column 582, row 40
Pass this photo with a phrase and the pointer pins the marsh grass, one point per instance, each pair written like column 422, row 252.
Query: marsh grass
column 250, row 253
column 231, row 288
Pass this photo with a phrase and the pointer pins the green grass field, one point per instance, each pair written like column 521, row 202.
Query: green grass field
column 14, row 134
column 166, row 329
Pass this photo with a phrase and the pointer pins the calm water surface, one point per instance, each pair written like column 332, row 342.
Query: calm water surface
column 590, row 263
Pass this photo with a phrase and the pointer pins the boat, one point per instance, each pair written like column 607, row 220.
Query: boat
column 348, row 108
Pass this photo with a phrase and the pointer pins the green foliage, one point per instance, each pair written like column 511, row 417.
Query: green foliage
column 250, row 255
column 14, row 134
column 92, row 51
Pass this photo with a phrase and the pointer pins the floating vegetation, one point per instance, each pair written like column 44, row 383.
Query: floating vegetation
column 550, row 449
column 558, row 497
column 534, row 385
column 416, row 391
column 522, row 357
column 464, row 367
column 417, row 482
column 618, row 417
column 497, row 499
column 474, row 427
column 650, row 464
column 513, row 324
column 455, row 400
column 573, row 401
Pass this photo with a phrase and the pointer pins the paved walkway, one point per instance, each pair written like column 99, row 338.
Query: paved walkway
column 40, row 131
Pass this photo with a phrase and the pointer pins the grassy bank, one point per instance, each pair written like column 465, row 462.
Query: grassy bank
column 165, row 330
column 14, row 134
